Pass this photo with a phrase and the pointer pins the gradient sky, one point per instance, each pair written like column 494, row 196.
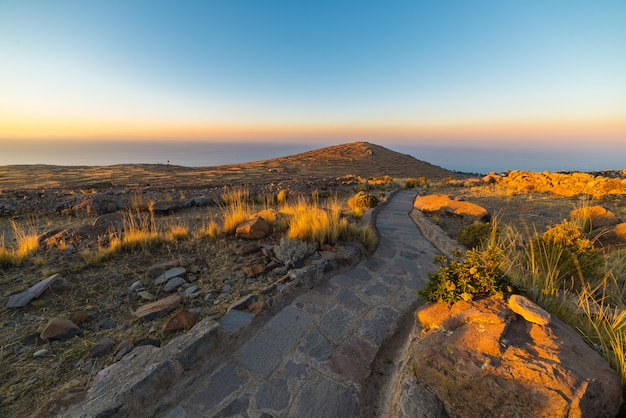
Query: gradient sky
column 461, row 70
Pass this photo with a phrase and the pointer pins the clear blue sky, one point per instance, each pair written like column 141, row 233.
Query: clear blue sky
column 209, row 69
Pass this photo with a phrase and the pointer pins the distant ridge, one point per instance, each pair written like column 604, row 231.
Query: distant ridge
column 363, row 159
column 356, row 158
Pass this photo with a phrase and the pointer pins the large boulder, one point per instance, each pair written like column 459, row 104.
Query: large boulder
column 594, row 217
column 482, row 359
column 442, row 202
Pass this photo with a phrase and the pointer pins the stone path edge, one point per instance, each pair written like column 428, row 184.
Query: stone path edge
column 148, row 372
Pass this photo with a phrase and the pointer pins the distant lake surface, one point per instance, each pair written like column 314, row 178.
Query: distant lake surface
column 480, row 158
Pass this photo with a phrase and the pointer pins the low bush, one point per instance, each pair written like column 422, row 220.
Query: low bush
column 563, row 251
column 291, row 251
column 481, row 274
column 362, row 200
column 474, row 235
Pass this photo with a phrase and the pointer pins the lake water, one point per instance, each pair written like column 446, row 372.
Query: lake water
column 479, row 158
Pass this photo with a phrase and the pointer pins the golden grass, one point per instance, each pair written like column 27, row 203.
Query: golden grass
column 595, row 309
column 209, row 228
column 26, row 243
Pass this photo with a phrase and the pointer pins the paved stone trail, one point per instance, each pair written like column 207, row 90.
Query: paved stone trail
column 312, row 357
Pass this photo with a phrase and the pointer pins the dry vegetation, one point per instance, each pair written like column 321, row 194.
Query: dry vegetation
column 102, row 270
column 573, row 273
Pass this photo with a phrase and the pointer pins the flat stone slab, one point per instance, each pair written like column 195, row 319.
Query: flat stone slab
column 265, row 351
column 528, row 310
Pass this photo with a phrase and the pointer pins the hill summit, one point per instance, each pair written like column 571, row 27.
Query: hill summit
column 359, row 158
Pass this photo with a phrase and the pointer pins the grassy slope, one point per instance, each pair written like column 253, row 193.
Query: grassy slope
column 357, row 158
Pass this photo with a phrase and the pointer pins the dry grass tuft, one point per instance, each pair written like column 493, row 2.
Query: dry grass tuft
column 26, row 243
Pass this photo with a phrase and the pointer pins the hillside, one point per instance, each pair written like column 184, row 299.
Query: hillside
column 357, row 158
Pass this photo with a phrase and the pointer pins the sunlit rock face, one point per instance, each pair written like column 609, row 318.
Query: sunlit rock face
column 482, row 359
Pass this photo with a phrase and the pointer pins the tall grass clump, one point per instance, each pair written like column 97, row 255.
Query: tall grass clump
column 314, row 224
column 565, row 274
column 209, row 228
column 235, row 208
column 26, row 243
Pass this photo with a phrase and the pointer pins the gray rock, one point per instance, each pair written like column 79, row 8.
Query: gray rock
column 136, row 287
column 173, row 272
column 41, row 287
column 20, row 300
column 173, row 284
column 40, row 353
column 102, row 347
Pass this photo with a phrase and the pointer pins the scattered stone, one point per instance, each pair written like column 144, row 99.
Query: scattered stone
column 122, row 349
column 258, row 307
column 169, row 274
column 156, row 270
column 59, row 329
column 243, row 303
column 41, row 287
column 192, row 291
column 173, row 284
column 33, row 339
column 102, row 347
column 40, row 353
column 79, row 317
column 136, row 287
column 160, row 307
column 20, row 300
column 528, row 310
column 108, row 324
column 181, row 320
column 145, row 295
column 110, row 222
column 249, row 248
column 254, row 270
column 255, row 228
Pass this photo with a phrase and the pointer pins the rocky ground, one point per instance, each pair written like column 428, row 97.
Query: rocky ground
column 102, row 300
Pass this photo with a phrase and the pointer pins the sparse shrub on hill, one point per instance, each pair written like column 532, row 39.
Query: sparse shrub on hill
column 291, row 251
column 474, row 235
column 481, row 274
column 412, row 183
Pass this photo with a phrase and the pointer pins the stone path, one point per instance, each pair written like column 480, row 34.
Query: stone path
column 312, row 357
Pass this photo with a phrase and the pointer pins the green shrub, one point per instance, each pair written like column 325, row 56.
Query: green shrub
column 574, row 256
column 479, row 275
column 474, row 235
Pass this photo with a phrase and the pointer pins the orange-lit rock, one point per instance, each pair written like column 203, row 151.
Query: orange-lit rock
column 480, row 359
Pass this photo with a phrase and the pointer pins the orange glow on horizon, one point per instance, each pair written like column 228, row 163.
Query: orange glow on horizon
column 612, row 129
